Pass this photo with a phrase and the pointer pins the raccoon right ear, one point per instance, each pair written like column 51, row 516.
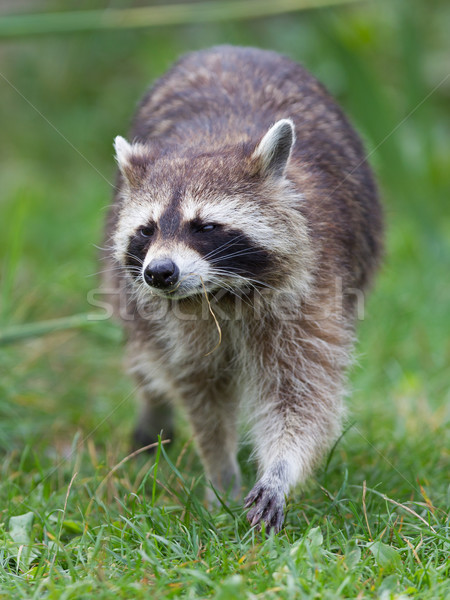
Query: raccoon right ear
column 133, row 160
column 273, row 152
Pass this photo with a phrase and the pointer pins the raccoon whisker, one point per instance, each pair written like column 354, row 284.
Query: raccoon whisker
column 262, row 283
column 223, row 273
column 237, row 293
column 140, row 293
column 107, row 257
column 104, row 248
column 241, row 290
column 117, row 268
column 224, row 245
column 243, row 278
column 127, row 271
column 255, row 289
column 107, row 206
column 216, row 281
column 243, row 252
column 133, row 256
column 234, row 273
column 240, row 251
column 247, row 284
column 254, row 282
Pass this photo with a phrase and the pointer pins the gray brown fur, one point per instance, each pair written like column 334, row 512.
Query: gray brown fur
column 307, row 214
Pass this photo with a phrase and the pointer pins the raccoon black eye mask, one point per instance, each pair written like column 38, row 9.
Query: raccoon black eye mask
column 229, row 253
column 237, row 184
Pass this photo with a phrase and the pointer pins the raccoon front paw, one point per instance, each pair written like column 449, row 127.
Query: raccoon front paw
column 268, row 506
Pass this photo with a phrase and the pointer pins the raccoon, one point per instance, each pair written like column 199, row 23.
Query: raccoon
column 244, row 231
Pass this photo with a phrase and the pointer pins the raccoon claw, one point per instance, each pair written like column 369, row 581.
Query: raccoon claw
column 268, row 507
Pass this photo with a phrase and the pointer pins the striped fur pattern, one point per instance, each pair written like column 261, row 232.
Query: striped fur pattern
column 245, row 184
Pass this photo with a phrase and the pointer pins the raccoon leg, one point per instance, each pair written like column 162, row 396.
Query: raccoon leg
column 213, row 420
column 155, row 418
column 292, row 432
column 154, row 395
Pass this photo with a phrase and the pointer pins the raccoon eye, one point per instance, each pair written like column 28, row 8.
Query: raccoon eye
column 206, row 228
column 146, row 231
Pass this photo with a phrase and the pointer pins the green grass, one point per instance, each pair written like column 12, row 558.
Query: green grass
column 373, row 523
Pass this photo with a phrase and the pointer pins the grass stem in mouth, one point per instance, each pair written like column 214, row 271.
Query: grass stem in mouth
column 215, row 319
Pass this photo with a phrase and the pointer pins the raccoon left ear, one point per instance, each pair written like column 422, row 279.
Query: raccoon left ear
column 133, row 160
column 273, row 151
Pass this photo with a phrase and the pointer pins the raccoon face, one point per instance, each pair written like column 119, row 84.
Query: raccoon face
column 200, row 223
column 180, row 255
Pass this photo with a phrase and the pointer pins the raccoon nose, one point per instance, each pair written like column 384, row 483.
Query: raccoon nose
column 161, row 273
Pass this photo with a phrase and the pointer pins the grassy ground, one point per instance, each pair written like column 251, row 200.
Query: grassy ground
column 373, row 523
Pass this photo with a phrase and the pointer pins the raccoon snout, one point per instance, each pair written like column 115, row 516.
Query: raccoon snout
column 161, row 273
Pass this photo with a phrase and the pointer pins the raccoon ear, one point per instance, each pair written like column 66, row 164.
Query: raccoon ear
column 123, row 151
column 133, row 160
column 273, row 151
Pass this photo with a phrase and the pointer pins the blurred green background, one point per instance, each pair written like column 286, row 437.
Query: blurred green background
column 63, row 99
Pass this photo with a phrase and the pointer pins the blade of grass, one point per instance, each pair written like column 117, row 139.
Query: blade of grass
column 155, row 469
column 151, row 16
column 17, row 333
